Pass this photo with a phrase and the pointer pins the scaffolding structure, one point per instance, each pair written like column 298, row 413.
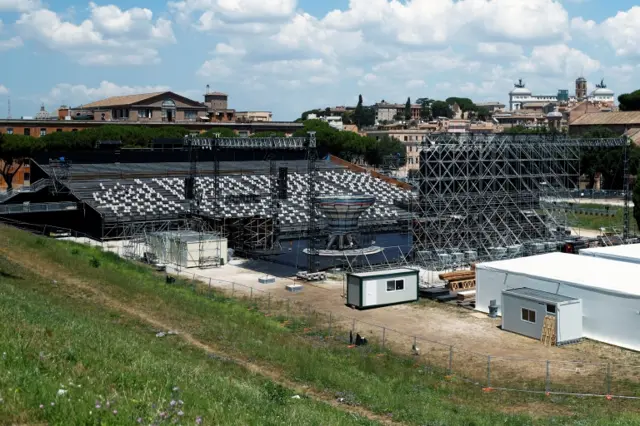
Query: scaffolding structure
column 256, row 235
column 60, row 173
column 487, row 197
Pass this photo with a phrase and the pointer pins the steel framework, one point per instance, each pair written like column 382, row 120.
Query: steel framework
column 482, row 197
column 60, row 175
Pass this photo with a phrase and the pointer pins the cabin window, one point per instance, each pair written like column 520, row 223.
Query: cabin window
column 551, row 309
column 395, row 285
column 528, row 315
column 27, row 132
column 59, row 130
column 9, row 130
column 43, row 132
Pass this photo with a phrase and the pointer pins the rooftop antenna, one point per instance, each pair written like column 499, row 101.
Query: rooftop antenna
column 207, row 89
column 9, row 107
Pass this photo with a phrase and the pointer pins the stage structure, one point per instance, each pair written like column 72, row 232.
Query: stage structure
column 484, row 197
column 342, row 213
column 257, row 235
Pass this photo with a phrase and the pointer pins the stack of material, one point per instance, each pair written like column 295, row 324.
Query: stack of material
column 434, row 292
column 466, row 295
column 459, row 280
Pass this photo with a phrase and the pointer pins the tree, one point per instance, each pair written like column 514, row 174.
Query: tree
column 358, row 114
column 483, row 113
column 368, row 117
column 630, row 101
column 407, row 110
column 425, row 108
column 398, row 116
column 441, row 109
column 14, row 151
column 465, row 104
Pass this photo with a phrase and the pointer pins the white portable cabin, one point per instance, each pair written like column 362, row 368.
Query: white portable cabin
column 524, row 311
column 609, row 290
column 382, row 288
column 626, row 253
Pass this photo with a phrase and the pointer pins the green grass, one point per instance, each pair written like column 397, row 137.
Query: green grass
column 595, row 222
column 115, row 357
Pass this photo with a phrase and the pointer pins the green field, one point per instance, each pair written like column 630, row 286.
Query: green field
column 79, row 346
column 596, row 222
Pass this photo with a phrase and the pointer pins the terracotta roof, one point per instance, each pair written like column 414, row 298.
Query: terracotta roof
column 217, row 94
column 608, row 118
column 122, row 100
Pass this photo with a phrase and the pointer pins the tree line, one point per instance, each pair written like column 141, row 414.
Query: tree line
column 16, row 149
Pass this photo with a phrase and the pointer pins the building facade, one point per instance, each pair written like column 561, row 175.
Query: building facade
column 388, row 112
column 520, row 96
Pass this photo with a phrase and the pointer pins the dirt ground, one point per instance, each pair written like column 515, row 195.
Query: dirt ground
column 430, row 322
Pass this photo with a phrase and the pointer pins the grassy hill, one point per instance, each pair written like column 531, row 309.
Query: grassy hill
column 79, row 346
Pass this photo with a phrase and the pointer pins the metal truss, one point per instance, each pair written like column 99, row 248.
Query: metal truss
column 290, row 143
column 314, row 234
column 485, row 197
column 60, row 174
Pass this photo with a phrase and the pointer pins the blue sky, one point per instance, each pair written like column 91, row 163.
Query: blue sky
column 288, row 56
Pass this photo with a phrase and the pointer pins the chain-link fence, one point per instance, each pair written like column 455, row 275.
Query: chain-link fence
column 489, row 372
column 484, row 370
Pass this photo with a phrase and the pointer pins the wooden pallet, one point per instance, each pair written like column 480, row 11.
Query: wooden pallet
column 549, row 336
column 465, row 295
column 462, row 285
column 457, row 275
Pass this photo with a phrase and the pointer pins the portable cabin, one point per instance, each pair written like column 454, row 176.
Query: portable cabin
column 625, row 253
column 608, row 290
column 538, row 314
column 374, row 289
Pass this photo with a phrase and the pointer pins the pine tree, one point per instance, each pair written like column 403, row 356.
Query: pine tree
column 358, row 114
column 407, row 110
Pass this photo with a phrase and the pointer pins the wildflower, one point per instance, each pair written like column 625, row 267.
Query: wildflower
column 115, row 412
column 139, row 420
column 198, row 420
column 61, row 392
column 98, row 406
column 172, row 403
column 1, row 400
column 181, row 402
column 176, row 389
column 162, row 415
column 108, row 404
column 53, row 403
column 180, row 413
column 41, row 406
column 4, row 355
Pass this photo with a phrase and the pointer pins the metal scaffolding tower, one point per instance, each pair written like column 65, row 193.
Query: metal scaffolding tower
column 60, row 172
column 484, row 197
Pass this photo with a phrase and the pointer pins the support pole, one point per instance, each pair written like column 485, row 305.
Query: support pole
column 450, row 359
column 384, row 332
column 608, row 378
column 547, row 386
column 489, row 371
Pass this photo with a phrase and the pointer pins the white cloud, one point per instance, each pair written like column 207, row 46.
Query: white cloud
column 227, row 49
column 417, row 22
column 413, row 84
column 110, row 36
column 217, row 68
column 238, row 11
column 18, row 5
column 558, row 59
column 11, row 43
column 621, row 31
column 3, row 90
column 500, row 49
column 81, row 94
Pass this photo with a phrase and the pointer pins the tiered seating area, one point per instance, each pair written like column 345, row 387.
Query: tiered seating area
column 132, row 200
column 243, row 196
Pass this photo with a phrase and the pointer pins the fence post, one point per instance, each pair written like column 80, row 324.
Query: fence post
column 193, row 283
column 450, row 360
column 269, row 303
column 489, row 371
column 330, row 318
column 209, row 287
column 353, row 326
column 384, row 332
column 233, row 288
column 288, row 301
column 547, row 385
column 608, row 378
column 251, row 294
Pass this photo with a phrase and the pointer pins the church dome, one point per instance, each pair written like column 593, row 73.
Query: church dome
column 554, row 114
column 43, row 114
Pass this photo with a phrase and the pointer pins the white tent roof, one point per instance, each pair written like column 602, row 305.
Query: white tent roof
column 580, row 271
column 629, row 251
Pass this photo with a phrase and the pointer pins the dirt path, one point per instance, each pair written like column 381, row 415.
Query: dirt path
column 63, row 278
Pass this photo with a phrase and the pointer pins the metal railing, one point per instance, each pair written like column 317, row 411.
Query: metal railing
column 37, row 207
